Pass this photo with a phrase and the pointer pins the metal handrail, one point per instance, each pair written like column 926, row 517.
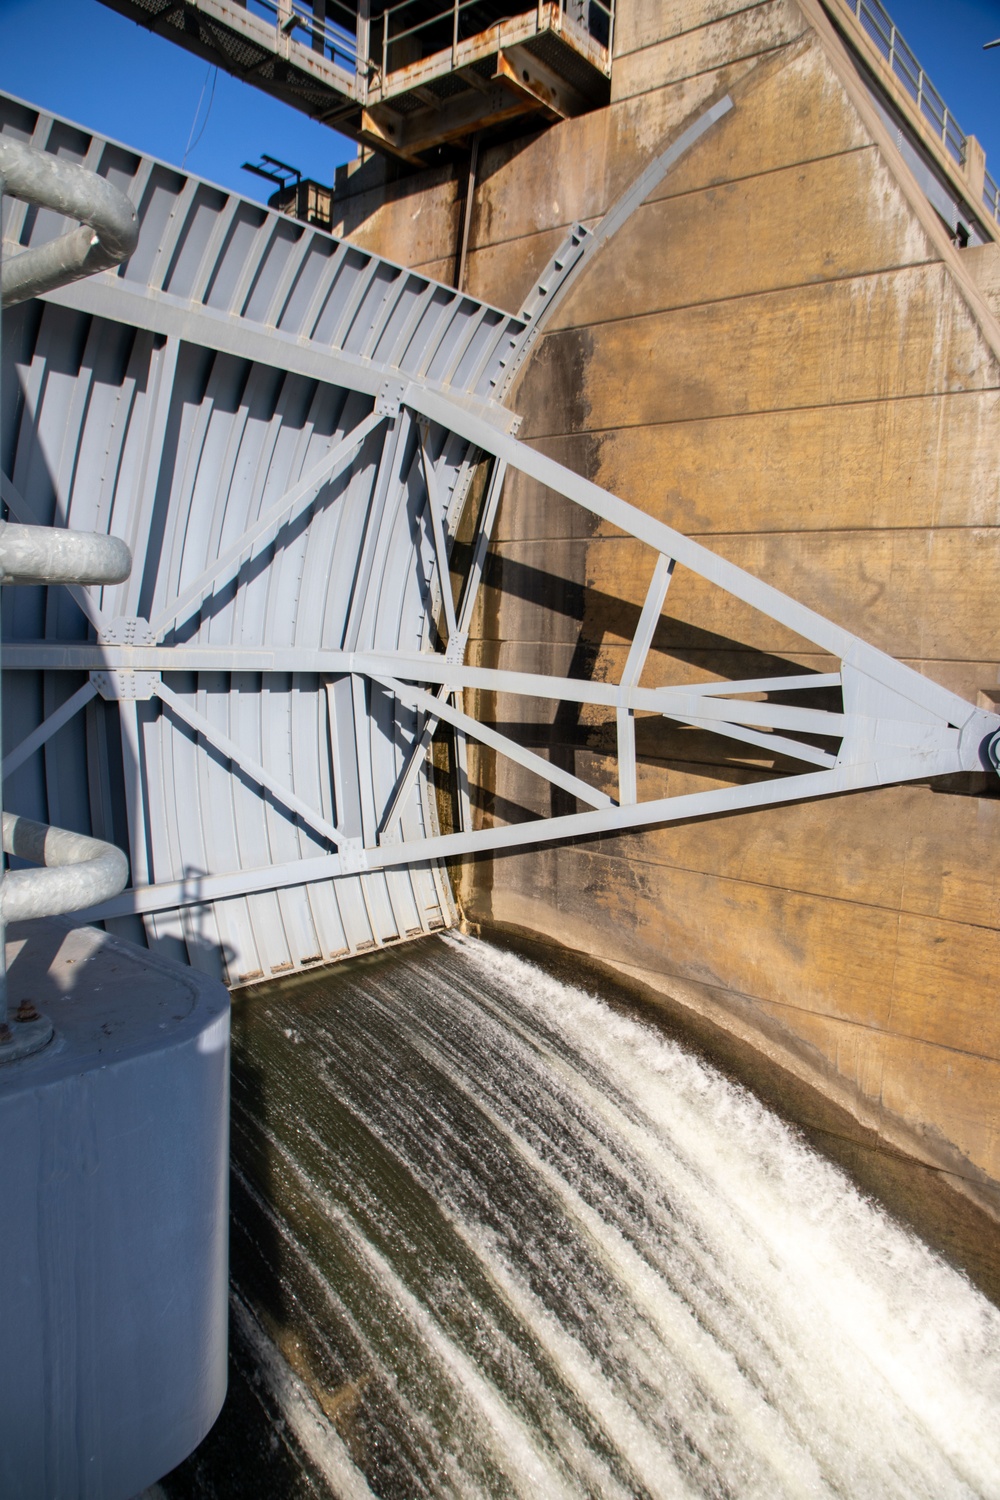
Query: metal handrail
column 338, row 41
column 455, row 9
column 77, row 870
column 47, row 554
column 991, row 196
column 352, row 43
column 880, row 29
column 107, row 234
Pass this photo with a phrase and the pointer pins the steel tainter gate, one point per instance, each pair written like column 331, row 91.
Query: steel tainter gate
column 287, row 432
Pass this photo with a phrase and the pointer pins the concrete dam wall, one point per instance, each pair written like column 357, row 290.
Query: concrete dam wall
column 783, row 353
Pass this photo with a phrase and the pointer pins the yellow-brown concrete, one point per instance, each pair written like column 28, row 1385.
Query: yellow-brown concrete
column 781, row 354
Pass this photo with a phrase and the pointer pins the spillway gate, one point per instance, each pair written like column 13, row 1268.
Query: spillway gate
column 305, row 448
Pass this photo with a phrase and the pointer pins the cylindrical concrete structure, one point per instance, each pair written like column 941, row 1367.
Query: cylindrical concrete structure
column 114, row 1185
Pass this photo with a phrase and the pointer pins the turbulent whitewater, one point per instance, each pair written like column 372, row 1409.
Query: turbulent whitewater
column 493, row 1238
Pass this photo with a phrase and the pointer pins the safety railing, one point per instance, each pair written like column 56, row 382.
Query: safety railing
column 880, row 29
column 991, row 196
column 372, row 48
column 334, row 36
column 77, row 870
column 407, row 34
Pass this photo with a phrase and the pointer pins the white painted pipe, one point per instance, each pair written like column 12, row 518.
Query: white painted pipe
column 77, row 870
column 48, row 554
column 107, row 235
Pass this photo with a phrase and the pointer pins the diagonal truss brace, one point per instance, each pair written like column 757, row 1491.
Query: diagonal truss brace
column 893, row 724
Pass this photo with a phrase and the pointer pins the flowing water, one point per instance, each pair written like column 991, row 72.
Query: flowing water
column 493, row 1238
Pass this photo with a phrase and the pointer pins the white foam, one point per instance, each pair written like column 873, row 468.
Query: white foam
column 683, row 1299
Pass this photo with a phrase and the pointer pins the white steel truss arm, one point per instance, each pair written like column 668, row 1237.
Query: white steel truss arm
column 440, row 545
column 47, row 728
column 284, row 511
column 664, row 810
column 709, row 565
column 470, row 594
column 415, row 696
column 775, row 743
column 893, row 725
column 247, row 763
column 700, row 701
column 410, row 772
column 625, row 723
column 484, row 534
column 696, row 699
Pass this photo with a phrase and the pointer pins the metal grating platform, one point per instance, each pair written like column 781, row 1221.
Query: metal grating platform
column 407, row 77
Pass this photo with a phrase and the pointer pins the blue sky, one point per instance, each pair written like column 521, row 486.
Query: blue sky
column 82, row 60
column 947, row 40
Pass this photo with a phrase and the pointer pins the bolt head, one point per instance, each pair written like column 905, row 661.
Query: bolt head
column 26, row 1011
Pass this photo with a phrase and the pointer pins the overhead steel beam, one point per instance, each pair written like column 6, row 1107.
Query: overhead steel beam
column 432, row 667
column 232, row 751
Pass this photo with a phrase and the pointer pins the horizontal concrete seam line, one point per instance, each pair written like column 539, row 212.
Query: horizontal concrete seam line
column 660, row 197
column 720, row 989
column 658, row 88
column 866, row 531
column 602, row 645
column 892, row 911
column 899, row 1036
column 882, row 1146
column 788, row 531
column 623, row 646
column 388, row 195
column 593, row 760
column 762, row 411
column 760, row 292
column 575, row 434
column 930, row 528
column 588, row 222
column 764, row 51
column 675, row 36
column 804, row 531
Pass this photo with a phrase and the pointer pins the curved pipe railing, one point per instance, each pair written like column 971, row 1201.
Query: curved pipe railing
column 44, row 554
column 107, row 234
column 76, row 871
